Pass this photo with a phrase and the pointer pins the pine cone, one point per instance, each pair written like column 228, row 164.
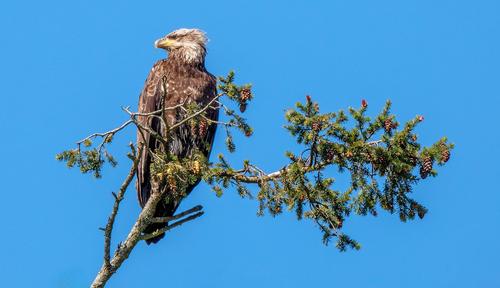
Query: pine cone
column 388, row 124
column 445, row 154
column 202, row 127
column 426, row 167
column 193, row 127
column 316, row 126
column 245, row 94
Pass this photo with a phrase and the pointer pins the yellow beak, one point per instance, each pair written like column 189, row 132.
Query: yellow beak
column 164, row 43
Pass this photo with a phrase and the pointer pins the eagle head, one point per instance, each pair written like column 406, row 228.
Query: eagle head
column 188, row 44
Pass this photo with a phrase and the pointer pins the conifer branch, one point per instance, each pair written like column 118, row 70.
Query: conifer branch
column 107, row 133
column 383, row 171
column 112, row 264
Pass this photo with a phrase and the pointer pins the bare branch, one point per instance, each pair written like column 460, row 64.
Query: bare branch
column 128, row 122
column 126, row 247
column 157, row 112
column 196, row 113
column 241, row 175
column 144, row 128
column 118, row 198
column 210, row 121
column 135, row 235
column 103, row 134
column 374, row 142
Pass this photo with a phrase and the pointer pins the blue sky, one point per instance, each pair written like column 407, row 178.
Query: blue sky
column 68, row 66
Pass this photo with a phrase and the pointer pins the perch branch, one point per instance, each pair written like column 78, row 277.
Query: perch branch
column 136, row 234
column 111, row 264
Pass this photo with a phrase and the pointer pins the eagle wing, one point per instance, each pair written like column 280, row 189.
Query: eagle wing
column 150, row 100
column 184, row 84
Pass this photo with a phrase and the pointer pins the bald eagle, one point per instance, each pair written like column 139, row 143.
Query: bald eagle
column 186, row 80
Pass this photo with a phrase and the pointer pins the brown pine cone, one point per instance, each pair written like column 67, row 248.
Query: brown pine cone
column 426, row 167
column 193, row 127
column 245, row 94
column 445, row 154
column 316, row 126
column 202, row 127
column 388, row 124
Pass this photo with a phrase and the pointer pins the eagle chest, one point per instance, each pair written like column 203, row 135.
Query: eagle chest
column 185, row 88
column 185, row 84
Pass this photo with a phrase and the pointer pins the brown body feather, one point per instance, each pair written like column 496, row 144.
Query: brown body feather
column 185, row 82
